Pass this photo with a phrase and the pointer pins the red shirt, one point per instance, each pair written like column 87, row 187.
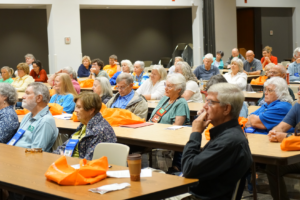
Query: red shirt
column 41, row 77
column 273, row 60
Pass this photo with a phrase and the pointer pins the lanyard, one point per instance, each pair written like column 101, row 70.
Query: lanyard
column 71, row 145
column 161, row 112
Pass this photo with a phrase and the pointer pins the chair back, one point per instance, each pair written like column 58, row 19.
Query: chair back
column 235, row 190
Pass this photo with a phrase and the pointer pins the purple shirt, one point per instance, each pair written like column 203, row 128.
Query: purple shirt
column 76, row 86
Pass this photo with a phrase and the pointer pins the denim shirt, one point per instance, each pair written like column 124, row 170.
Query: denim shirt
column 122, row 102
column 294, row 71
column 9, row 123
column 138, row 78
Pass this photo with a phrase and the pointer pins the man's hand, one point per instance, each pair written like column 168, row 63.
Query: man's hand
column 298, row 60
column 201, row 122
column 60, row 71
column 275, row 136
column 93, row 70
column 245, row 72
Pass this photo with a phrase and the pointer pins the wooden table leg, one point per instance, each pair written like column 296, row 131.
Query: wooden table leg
column 150, row 158
column 253, row 174
column 278, row 181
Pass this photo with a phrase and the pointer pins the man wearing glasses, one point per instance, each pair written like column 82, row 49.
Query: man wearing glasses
column 127, row 98
column 252, row 66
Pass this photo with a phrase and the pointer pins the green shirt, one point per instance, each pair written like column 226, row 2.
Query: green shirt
column 178, row 108
column 103, row 73
column 10, row 80
column 78, row 135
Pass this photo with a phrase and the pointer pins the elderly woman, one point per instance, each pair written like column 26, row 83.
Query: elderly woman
column 23, row 79
column 192, row 91
column 139, row 76
column 65, row 92
column 38, row 73
column 6, row 73
column 9, row 122
column 154, row 87
column 268, row 57
column 277, row 105
column 236, row 76
column 84, row 68
column 103, row 89
column 206, row 70
column 92, row 130
column 68, row 70
column 126, row 68
column 172, row 69
column 294, row 67
column 97, row 69
column 218, row 62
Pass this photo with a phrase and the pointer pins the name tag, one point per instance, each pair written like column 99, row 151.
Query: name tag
column 296, row 74
column 249, row 130
column 70, row 147
column 16, row 137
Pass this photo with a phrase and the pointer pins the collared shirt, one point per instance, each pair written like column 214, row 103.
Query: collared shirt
column 122, row 101
column 201, row 72
column 255, row 65
column 138, row 78
column 65, row 101
column 9, row 123
column 294, row 71
column 40, row 131
column 22, row 83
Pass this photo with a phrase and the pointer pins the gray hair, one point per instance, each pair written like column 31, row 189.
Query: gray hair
column 9, row 70
column 281, row 89
column 129, row 64
column 239, row 62
column 40, row 89
column 229, row 94
column 7, row 90
column 29, row 55
column 297, row 50
column 124, row 76
column 187, row 71
column 178, row 57
column 281, row 68
column 178, row 80
column 105, row 86
column 209, row 56
column 161, row 71
column 70, row 71
column 140, row 63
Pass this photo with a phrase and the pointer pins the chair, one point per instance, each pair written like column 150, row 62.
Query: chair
column 165, row 61
column 115, row 153
column 147, row 63
column 285, row 63
column 235, row 190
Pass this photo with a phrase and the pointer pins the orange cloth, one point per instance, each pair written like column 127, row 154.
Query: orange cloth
column 291, row 143
column 259, row 81
column 111, row 70
column 273, row 60
column 41, row 77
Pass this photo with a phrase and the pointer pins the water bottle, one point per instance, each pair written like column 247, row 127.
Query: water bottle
column 287, row 77
column 201, row 84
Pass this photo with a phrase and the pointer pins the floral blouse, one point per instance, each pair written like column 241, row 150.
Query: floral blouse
column 9, row 123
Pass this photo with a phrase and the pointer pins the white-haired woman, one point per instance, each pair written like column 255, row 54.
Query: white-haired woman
column 206, row 70
column 138, row 75
column 277, row 105
column 126, row 67
column 294, row 68
column 236, row 76
column 172, row 69
column 154, row 88
column 102, row 87
column 192, row 91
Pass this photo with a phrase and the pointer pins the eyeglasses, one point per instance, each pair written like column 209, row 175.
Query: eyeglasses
column 95, row 64
column 211, row 102
column 268, row 90
column 122, row 88
column 169, row 87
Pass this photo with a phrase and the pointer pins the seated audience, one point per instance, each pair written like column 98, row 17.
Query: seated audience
column 64, row 92
column 97, row 69
column 278, row 102
column 37, row 129
column 268, row 57
column 103, row 89
column 113, row 66
column 234, row 54
column 68, row 70
column 38, row 73
column 9, row 122
column 154, row 88
column 192, row 91
column 218, row 62
column 252, row 66
column 93, row 128
column 236, row 76
column 126, row 68
column 226, row 158
column 172, row 69
column 262, row 79
column 206, row 70
column 23, row 79
column 294, row 68
column 7, row 73
column 139, row 76
column 85, row 67
column 127, row 98
column 29, row 58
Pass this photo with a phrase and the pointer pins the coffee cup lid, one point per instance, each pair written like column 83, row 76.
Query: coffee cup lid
column 134, row 156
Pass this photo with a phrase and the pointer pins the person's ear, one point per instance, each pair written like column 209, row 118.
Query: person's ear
column 131, row 85
column 39, row 98
column 227, row 110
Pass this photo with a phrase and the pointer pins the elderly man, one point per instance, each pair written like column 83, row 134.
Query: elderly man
column 68, row 70
column 226, row 157
column 127, row 98
column 252, row 66
column 113, row 66
column 29, row 58
column 138, row 73
column 206, row 70
column 277, row 104
column 294, row 68
column 234, row 53
column 37, row 129
column 172, row 69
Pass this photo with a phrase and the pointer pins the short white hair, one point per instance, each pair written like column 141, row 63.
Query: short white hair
column 229, row 94
column 297, row 50
column 178, row 80
column 281, row 89
column 29, row 55
column 239, row 62
column 140, row 63
column 40, row 89
column 161, row 71
column 7, row 90
column 105, row 86
column 209, row 56
column 70, row 71
column 129, row 64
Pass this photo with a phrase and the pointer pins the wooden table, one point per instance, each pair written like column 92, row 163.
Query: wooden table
column 24, row 173
column 250, row 77
column 251, row 109
column 224, row 71
column 250, row 96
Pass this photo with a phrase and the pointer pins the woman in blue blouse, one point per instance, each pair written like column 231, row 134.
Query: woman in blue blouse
column 65, row 92
column 9, row 122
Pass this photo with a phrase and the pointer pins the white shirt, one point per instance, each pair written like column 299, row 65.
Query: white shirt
column 240, row 79
column 156, row 91
column 171, row 70
column 193, row 86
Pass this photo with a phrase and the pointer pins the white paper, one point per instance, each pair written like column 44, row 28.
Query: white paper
column 188, row 101
column 76, row 166
column 125, row 173
column 108, row 188
column 251, row 92
column 64, row 116
column 174, row 127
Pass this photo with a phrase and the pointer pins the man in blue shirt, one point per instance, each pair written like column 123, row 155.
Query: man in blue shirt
column 206, row 70
column 294, row 68
column 37, row 129
column 278, row 103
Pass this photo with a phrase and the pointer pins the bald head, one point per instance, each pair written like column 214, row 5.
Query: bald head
column 277, row 71
column 235, row 52
column 250, row 56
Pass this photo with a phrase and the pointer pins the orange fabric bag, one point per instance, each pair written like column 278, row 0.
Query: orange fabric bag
column 88, row 83
column 52, row 92
column 89, row 173
column 74, row 117
column 22, row 112
column 259, row 81
column 55, row 108
column 291, row 143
